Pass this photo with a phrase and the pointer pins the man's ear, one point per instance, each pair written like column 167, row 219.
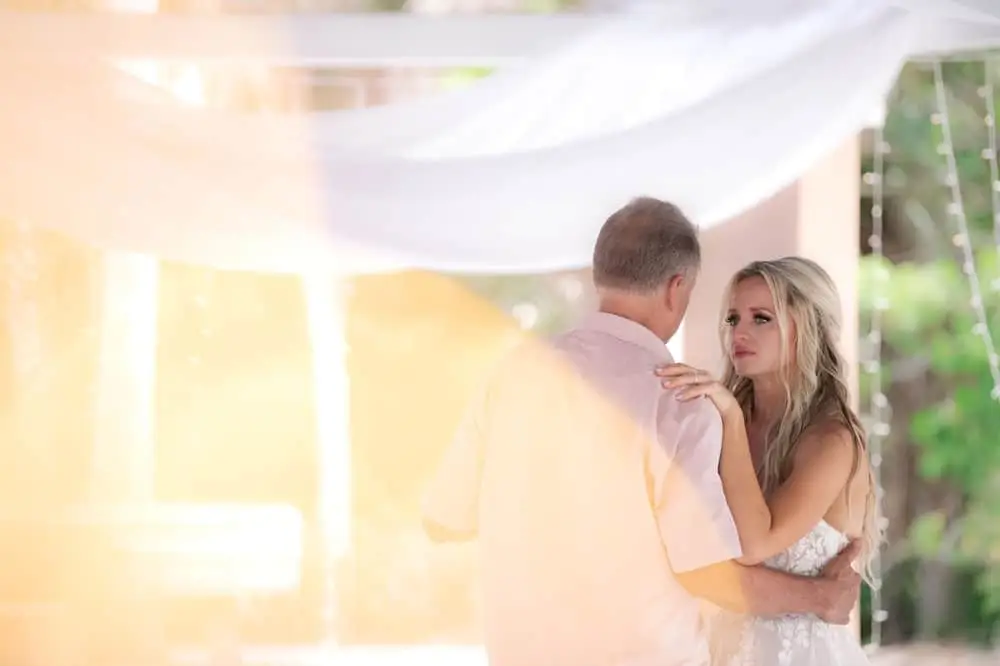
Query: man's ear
column 672, row 294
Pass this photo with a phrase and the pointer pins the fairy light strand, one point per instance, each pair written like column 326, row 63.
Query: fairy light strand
column 963, row 239
column 990, row 154
column 878, row 402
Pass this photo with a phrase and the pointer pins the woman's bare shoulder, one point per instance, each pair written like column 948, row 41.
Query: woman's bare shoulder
column 828, row 439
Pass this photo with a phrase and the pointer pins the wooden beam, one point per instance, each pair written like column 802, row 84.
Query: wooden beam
column 293, row 39
column 356, row 40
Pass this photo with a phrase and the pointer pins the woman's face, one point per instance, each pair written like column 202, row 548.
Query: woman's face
column 755, row 338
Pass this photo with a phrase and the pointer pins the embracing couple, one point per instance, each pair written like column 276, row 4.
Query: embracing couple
column 633, row 511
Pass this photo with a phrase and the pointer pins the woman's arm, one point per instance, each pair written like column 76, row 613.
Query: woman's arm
column 821, row 471
column 822, row 467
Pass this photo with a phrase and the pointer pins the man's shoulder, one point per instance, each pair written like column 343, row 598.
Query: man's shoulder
column 532, row 349
column 530, row 356
column 566, row 346
column 675, row 416
column 590, row 342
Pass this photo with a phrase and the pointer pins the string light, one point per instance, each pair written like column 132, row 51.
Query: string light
column 963, row 239
column 990, row 154
column 878, row 402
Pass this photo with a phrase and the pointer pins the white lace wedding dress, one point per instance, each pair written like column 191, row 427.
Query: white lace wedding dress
column 798, row 640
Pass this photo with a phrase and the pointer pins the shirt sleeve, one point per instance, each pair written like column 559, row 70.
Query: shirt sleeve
column 696, row 526
column 452, row 500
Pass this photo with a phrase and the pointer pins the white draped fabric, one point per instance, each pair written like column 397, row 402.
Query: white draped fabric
column 693, row 101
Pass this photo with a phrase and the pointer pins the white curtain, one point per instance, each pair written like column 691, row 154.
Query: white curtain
column 713, row 109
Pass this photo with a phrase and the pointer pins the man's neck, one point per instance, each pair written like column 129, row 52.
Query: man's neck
column 633, row 309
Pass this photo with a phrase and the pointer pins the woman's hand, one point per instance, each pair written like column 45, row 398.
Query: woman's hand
column 693, row 383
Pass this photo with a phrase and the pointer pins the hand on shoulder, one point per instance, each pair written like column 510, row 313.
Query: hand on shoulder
column 692, row 383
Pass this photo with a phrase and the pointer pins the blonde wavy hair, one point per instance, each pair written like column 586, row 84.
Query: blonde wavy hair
column 814, row 375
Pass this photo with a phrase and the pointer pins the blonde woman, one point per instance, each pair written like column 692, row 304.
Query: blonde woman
column 794, row 463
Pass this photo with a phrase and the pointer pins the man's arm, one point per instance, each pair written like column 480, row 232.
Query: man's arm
column 768, row 593
column 754, row 590
column 695, row 523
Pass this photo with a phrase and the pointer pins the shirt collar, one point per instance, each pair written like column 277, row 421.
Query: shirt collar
column 627, row 331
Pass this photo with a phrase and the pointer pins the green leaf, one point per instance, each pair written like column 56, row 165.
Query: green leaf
column 926, row 533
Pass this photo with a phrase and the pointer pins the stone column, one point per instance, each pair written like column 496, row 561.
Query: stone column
column 28, row 451
column 817, row 217
column 326, row 312
column 124, row 459
column 124, row 462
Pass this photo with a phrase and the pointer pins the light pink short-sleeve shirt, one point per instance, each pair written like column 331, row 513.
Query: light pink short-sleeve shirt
column 589, row 485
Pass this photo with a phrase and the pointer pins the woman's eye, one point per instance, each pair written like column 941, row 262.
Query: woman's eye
column 732, row 320
column 761, row 319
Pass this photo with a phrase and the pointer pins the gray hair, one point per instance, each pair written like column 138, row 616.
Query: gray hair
column 643, row 245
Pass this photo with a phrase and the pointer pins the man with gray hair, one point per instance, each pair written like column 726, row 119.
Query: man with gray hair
column 595, row 493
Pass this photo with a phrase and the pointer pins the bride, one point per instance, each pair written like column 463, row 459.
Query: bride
column 794, row 464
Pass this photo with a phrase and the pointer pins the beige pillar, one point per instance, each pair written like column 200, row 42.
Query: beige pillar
column 326, row 298
column 816, row 217
column 124, row 461
column 27, row 356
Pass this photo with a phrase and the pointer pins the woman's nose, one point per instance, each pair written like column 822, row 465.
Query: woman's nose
column 741, row 332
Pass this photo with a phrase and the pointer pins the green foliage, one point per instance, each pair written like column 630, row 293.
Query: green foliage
column 927, row 533
column 931, row 346
column 930, row 319
column 460, row 77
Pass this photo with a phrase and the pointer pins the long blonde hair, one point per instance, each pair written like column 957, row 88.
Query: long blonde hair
column 815, row 379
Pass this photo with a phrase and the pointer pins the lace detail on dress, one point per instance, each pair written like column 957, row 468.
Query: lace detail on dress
column 794, row 640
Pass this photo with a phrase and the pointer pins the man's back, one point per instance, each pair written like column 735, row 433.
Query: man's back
column 574, row 565
column 587, row 483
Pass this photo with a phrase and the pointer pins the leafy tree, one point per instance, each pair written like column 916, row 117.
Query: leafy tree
column 943, row 462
